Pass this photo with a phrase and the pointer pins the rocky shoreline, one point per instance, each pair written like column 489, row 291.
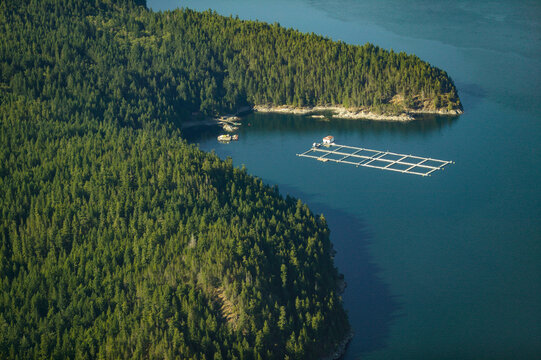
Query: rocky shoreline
column 439, row 112
column 343, row 113
column 340, row 349
column 339, row 112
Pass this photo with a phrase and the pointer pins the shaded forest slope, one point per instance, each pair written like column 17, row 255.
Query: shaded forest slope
column 117, row 238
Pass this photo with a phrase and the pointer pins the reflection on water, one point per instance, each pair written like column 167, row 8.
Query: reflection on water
column 278, row 123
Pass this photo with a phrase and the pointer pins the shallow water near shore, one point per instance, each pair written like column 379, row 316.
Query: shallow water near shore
column 440, row 267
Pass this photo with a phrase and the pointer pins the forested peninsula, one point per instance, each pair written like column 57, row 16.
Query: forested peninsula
column 120, row 240
column 178, row 63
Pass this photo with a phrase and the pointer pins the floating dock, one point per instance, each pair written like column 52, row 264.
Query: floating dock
column 384, row 160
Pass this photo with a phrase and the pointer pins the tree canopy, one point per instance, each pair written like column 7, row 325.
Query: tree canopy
column 117, row 238
column 120, row 240
column 177, row 62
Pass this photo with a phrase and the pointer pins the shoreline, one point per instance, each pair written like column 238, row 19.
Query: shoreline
column 340, row 349
column 342, row 346
column 339, row 112
column 343, row 113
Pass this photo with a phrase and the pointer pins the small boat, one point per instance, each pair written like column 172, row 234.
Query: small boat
column 224, row 137
column 230, row 128
column 234, row 137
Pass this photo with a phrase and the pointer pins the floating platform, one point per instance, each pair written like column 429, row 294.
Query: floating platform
column 229, row 120
column 384, row 160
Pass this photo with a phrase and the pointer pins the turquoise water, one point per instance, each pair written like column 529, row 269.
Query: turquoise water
column 442, row 267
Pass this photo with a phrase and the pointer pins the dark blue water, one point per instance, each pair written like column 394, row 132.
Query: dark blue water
column 443, row 267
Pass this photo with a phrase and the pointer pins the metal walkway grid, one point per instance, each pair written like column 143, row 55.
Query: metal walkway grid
column 384, row 160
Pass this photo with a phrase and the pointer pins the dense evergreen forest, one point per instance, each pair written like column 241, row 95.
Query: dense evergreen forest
column 117, row 238
column 123, row 243
column 120, row 240
column 140, row 64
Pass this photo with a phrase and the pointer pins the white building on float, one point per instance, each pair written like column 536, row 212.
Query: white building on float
column 327, row 140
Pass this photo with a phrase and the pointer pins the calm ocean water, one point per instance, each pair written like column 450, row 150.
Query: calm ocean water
column 443, row 267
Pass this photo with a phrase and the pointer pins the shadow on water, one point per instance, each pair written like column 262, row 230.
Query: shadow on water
column 266, row 123
column 370, row 305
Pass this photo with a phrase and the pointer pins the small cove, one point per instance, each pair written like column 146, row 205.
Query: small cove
column 444, row 267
